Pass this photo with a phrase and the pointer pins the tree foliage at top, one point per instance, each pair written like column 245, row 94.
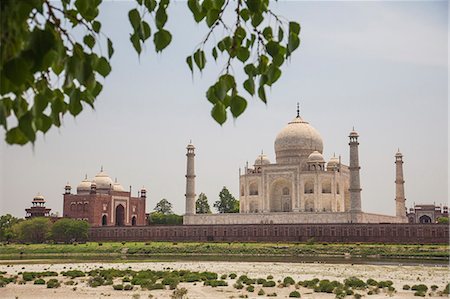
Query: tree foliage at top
column 226, row 203
column 34, row 230
column 202, row 205
column 46, row 71
column 6, row 223
column 164, row 207
column 69, row 230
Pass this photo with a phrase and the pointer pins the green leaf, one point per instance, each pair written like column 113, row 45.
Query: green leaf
column 254, row 5
column 103, row 67
column 219, row 113
column 200, row 60
column 196, row 10
column 162, row 39
column 267, row 33
column 135, row 18
column 273, row 74
column 89, row 41
column 40, row 103
column 227, row 81
column 110, row 48
column 272, row 48
column 257, row 18
column 211, row 16
column 262, row 94
column 244, row 14
column 136, row 42
column 243, row 54
column 214, row 53
column 293, row 44
column 75, row 106
column 250, row 69
column 96, row 26
column 43, row 123
column 189, row 62
column 15, row 136
column 280, row 34
column 144, row 31
column 150, row 4
column 160, row 17
column 237, row 105
column 211, row 94
column 294, row 27
column 17, row 71
column 26, row 126
column 249, row 85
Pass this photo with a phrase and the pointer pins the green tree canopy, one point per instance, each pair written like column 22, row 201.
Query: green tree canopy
column 164, row 207
column 226, row 203
column 202, row 205
column 51, row 61
column 69, row 230
column 443, row 220
column 6, row 223
column 34, row 230
column 160, row 218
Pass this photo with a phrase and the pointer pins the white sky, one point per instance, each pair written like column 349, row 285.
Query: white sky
column 379, row 66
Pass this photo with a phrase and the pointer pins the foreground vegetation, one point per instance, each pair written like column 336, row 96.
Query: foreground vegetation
column 440, row 251
column 168, row 279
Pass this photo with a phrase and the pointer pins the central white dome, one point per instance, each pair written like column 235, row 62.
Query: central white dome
column 297, row 141
column 103, row 181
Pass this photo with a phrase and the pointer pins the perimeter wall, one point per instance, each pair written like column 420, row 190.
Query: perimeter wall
column 326, row 232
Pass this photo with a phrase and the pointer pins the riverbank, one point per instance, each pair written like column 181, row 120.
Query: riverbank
column 400, row 276
column 145, row 249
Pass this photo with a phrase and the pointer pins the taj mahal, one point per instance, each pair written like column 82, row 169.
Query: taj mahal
column 300, row 186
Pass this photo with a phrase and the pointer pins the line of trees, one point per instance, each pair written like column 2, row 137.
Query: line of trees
column 42, row 229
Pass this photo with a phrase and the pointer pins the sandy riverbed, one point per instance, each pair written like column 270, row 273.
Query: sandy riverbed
column 400, row 275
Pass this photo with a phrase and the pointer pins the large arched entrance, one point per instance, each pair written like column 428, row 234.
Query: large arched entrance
column 425, row 219
column 280, row 196
column 120, row 215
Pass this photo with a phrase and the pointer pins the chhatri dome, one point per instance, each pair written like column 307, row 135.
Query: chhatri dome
column 262, row 160
column 84, row 186
column 102, row 180
column 297, row 141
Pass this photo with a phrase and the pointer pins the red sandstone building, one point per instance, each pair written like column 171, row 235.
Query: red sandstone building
column 102, row 202
column 426, row 213
column 38, row 208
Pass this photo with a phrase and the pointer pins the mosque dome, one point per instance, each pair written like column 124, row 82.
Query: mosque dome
column 38, row 197
column 103, row 181
column 334, row 162
column 117, row 186
column 297, row 139
column 262, row 160
column 84, row 186
column 315, row 157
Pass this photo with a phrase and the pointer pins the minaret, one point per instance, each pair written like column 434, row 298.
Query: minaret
column 190, row 180
column 355, row 187
column 400, row 209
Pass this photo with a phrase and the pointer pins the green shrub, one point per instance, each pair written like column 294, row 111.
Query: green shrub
column 69, row 283
column 406, row 287
column 447, row 289
column 95, row 281
column 128, row 287
column 170, row 281
column 126, row 279
column 232, row 275
column 238, row 285
column 357, row 296
column 371, row 282
column 419, row 287
column 118, row 287
column 269, row 277
column 288, row 281
column 310, row 283
column 39, row 281
column 269, row 284
column 260, row 281
column 272, row 295
column 261, row 292
column 223, row 276
column 53, row 283
column 156, row 286
column 250, row 288
column 216, row 283
column 385, row 284
column 209, row 275
column 73, row 273
column 354, row 282
column 419, row 294
column 294, row 294
column 434, row 287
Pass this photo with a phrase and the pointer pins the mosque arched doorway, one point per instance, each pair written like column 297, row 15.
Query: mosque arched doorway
column 425, row 219
column 133, row 221
column 104, row 220
column 120, row 215
column 280, row 196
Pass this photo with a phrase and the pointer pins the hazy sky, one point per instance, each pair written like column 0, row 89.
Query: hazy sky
column 379, row 66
